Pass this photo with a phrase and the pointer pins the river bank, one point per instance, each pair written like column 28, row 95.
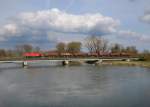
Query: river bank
column 126, row 63
column 115, row 63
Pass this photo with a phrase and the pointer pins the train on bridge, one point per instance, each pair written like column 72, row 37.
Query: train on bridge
column 55, row 54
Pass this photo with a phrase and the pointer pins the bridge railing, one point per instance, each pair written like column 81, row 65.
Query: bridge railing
column 63, row 58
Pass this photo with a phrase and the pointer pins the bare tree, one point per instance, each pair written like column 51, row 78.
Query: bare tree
column 20, row 49
column 89, row 44
column 104, row 45
column 96, row 44
column 10, row 53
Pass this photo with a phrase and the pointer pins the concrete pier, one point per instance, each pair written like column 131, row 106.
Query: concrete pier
column 65, row 62
column 128, row 60
column 99, row 62
column 25, row 63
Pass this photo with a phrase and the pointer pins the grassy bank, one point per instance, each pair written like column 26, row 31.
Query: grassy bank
column 131, row 63
column 117, row 63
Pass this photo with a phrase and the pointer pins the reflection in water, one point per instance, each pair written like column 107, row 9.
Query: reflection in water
column 80, row 86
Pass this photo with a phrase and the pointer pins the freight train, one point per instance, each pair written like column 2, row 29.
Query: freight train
column 55, row 54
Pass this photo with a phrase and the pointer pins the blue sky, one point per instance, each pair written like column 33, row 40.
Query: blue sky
column 122, row 21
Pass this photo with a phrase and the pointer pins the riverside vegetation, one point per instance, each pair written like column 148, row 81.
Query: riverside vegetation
column 93, row 44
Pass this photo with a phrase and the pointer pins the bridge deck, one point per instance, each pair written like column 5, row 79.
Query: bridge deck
column 67, row 59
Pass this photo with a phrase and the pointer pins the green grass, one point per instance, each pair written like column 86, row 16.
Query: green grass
column 131, row 63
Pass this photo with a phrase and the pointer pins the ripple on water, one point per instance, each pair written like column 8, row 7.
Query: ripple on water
column 79, row 86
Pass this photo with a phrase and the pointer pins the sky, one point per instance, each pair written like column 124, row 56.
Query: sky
column 44, row 23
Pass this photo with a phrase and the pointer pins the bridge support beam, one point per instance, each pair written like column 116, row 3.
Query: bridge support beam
column 65, row 62
column 24, row 64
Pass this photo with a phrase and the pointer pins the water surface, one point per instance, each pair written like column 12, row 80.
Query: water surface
column 76, row 86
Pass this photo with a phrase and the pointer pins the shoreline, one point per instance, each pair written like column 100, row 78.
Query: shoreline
column 113, row 63
column 126, row 63
column 145, row 64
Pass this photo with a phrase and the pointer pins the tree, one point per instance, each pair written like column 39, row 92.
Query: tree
column 145, row 55
column 27, row 48
column 146, row 52
column 37, row 49
column 131, row 50
column 74, row 47
column 104, row 46
column 10, row 53
column 61, row 47
column 117, row 48
column 20, row 49
column 96, row 44
column 2, row 53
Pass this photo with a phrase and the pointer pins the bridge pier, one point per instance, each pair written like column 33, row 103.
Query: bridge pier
column 128, row 60
column 24, row 63
column 99, row 62
column 65, row 62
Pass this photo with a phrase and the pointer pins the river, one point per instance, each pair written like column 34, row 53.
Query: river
column 74, row 86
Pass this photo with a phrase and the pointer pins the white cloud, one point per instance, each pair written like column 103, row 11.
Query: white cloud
column 59, row 21
column 63, row 22
column 38, row 24
column 8, row 30
column 66, row 37
column 133, row 36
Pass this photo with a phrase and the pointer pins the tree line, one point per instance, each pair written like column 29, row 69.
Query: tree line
column 71, row 47
column 18, row 50
column 98, row 45
column 93, row 44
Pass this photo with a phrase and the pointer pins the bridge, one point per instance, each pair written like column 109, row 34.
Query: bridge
column 66, row 61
